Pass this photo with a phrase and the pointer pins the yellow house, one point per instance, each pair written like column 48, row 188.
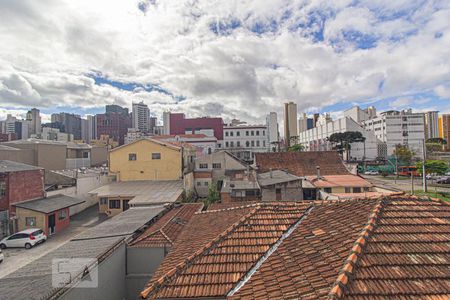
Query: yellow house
column 148, row 159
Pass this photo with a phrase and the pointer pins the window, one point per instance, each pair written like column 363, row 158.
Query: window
column 357, row 190
column 257, row 132
column 231, row 144
column 366, row 189
column 253, row 133
column 103, row 201
column 257, row 143
column 156, row 155
column 231, row 133
column 30, row 221
column 37, row 232
column 113, row 204
column 85, row 154
column 264, row 143
column 247, row 144
column 199, row 183
column 264, row 132
column 253, row 143
column 203, row 166
column 2, row 189
column 327, row 190
column 347, row 190
column 250, row 193
column 226, row 133
column 206, row 183
column 219, row 145
column 238, row 133
column 62, row 214
column 217, row 165
column 227, row 144
column 238, row 143
column 132, row 156
column 246, row 133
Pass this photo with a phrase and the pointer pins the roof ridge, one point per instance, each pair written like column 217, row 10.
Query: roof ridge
column 348, row 269
column 244, row 279
column 228, row 208
column 168, row 276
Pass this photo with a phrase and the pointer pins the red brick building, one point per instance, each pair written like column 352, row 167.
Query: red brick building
column 180, row 125
column 6, row 137
column 19, row 182
column 113, row 124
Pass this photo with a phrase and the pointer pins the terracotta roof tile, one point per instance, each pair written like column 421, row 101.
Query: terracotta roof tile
column 302, row 163
column 339, row 181
column 166, row 229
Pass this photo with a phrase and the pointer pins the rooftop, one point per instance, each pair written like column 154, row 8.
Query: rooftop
column 165, row 230
column 339, row 181
column 143, row 192
column 49, row 204
column 301, row 163
column 12, row 166
column 276, row 176
column 366, row 248
column 229, row 185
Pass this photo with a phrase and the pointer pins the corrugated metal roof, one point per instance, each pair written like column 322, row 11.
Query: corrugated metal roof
column 143, row 192
column 50, row 204
column 276, row 176
column 12, row 166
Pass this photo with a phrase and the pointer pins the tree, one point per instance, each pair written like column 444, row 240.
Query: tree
column 296, row 148
column 435, row 144
column 403, row 154
column 433, row 166
column 213, row 194
column 342, row 140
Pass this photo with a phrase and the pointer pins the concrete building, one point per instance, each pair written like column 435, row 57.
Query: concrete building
column 290, row 123
column 203, row 143
column 272, row 131
column 399, row 127
column 444, row 129
column 92, row 129
column 21, row 128
column 68, row 123
column 141, row 117
column 240, row 191
column 278, row 185
column 305, row 123
column 34, row 117
column 245, row 140
column 216, row 167
column 360, row 115
column 316, row 139
column 149, row 159
column 113, row 108
column 431, row 119
column 114, row 124
column 177, row 123
column 53, row 134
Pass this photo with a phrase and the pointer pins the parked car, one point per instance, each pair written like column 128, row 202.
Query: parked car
column 1, row 256
column 443, row 180
column 26, row 238
column 371, row 173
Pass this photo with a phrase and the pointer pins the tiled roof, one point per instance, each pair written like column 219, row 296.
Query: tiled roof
column 339, row 181
column 219, row 205
column 361, row 249
column 302, row 163
column 166, row 230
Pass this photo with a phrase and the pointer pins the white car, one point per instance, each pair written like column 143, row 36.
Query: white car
column 1, row 256
column 371, row 173
column 27, row 238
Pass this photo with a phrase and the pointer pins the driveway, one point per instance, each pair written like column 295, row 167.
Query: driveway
column 16, row 258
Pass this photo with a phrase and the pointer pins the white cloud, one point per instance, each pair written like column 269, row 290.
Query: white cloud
column 49, row 47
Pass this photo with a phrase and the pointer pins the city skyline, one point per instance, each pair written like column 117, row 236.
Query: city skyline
column 220, row 60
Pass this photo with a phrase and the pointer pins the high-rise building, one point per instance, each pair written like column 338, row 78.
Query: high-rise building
column 272, row 130
column 141, row 117
column 177, row 123
column 290, row 123
column 153, row 122
column 34, row 117
column 166, row 122
column 92, row 128
column 112, row 124
column 444, row 129
column 431, row 119
column 21, row 128
column 68, row 123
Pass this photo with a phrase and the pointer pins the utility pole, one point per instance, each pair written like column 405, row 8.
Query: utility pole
column 412, row 183
column 424, row 176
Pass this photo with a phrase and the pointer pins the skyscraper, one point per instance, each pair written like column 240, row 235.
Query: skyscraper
column 34, row 117
column 431, row 119
column 272, row 129
column 141, row 117
column 290, row 123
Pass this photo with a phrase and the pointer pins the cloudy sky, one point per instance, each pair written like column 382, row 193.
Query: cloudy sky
column 230, row 58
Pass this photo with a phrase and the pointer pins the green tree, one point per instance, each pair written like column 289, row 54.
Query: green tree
column 403, row 154
column 213, row 194
column 296, row 148
column 435, row 144
column 342, row 141
column 433, row 166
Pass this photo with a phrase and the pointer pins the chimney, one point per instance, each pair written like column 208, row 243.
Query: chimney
column 271, row 175
column 318, row 172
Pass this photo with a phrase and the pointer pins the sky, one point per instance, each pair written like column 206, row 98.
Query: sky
column 234, row 59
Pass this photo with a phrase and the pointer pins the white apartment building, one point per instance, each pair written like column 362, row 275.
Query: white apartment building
column 272, row 130
column 141, row 117
column 316, row 139
column 399, row 127
column 244, row 140
column 431, row 119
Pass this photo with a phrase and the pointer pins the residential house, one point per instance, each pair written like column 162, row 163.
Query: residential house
column 280, row 185
column 116, row 197
column 356, row 249
column 149, row 159
column 240, row 190
column 215, row 167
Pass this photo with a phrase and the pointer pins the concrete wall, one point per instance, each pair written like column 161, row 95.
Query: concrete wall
column 111, row 280
column 99, row 155
column 139, row 273
column 24, row 213
column 188, row 182
column 25, row 156
column 291, row 191
column 51, row 157
column 144, row 167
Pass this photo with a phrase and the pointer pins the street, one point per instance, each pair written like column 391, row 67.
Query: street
column 16, row 258
column 404, row 184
